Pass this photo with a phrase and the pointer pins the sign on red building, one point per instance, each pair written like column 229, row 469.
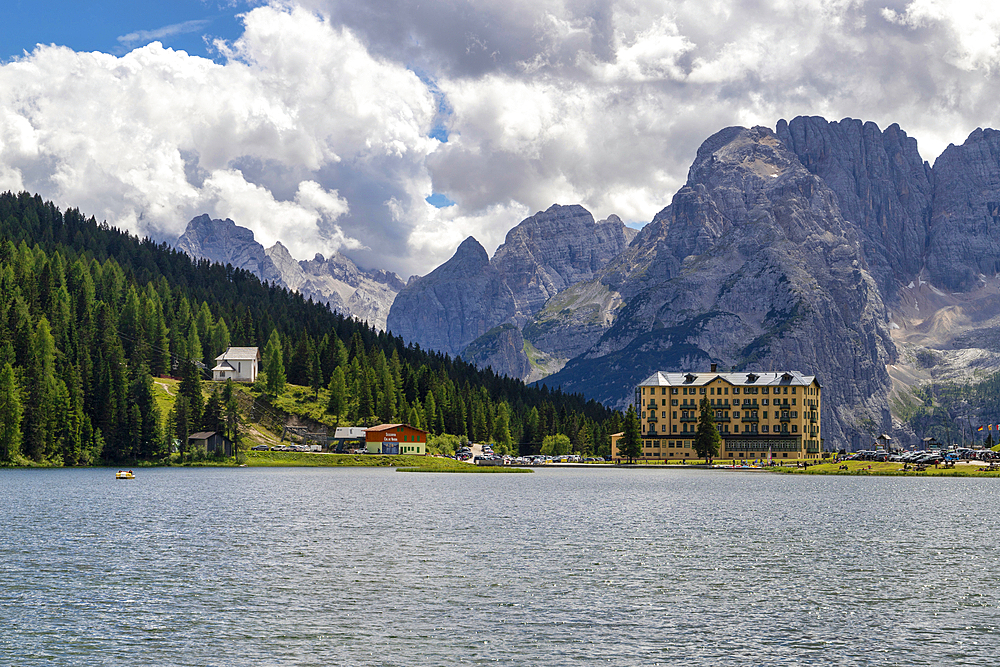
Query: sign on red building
column 395, row 439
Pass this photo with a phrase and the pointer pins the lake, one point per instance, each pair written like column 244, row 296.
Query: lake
column 314, row 566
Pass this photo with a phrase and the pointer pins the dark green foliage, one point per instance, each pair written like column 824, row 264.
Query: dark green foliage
column 706, row 442
column 630, row 444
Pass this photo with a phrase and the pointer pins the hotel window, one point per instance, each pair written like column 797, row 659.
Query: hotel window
column 663, row 390
column 795, row 428
column 663, row 414
column 675, row 428
column 736, row 428
column 763, row 428
column 664, row 428
column 763, row 401
column 673, row 390
column 764, row 390
column 673, row 401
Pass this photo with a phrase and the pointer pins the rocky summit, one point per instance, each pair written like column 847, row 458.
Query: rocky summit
column 470, row 294
column 336, row 281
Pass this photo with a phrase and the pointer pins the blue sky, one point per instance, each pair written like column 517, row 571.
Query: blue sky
column 116, row 26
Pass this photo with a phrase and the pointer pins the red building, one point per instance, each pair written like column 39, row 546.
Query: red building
column 395, row 439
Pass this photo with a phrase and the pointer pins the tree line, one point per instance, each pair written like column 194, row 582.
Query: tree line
column 90, row 315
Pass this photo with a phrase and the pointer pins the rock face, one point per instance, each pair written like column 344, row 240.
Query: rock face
column 226, row 242
column 470, row 294
column 964, row 247
column 552, row 250
column 449, row 307
column 337, row 281
column 883, row 188
column 500, row 347
column 751, row 266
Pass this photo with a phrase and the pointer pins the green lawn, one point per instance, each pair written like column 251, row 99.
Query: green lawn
column 401, row 462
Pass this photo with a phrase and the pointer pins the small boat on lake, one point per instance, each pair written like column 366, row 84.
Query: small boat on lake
column 124, row 474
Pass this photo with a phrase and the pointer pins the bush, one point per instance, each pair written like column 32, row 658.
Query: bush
column 445, row 444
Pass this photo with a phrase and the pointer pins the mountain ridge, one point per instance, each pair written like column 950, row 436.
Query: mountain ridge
column 336, row 280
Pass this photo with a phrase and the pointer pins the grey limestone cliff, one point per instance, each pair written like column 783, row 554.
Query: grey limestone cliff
column 883, row 188
column 452, row 305
column 540, row 257
column 501, row 347
column 225, row 242
column 964, row 246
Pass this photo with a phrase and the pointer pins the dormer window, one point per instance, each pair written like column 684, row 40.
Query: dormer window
column 752, row 377
column 689, row 377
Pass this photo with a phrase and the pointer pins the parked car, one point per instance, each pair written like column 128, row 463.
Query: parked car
column 260, row 448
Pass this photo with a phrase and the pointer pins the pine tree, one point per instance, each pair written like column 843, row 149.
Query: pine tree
column 502, row 429
column 630, row 444
column 365, row 402
column 315, row 374
column 338, row 395
column 190, row 388
column 274, row 365
column 706, row 443
column 430, row 413
column 10, row 415
column 212, row 417
column 232, row 415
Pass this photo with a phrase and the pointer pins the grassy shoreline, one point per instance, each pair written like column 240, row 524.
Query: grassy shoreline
column 402, row 462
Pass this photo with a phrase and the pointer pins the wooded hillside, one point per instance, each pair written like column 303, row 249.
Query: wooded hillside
column 89, row 314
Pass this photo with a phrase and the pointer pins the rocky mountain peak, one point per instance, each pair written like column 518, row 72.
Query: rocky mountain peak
column 883, row 187
column 226, row 242
column 542, row 255
column 471, row 253
column 336, row 281
column 964, row 245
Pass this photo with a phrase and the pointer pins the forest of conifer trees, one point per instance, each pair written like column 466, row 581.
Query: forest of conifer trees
column 90, row 315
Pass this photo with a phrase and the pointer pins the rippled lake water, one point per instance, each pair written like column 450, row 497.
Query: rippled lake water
column 560, row 567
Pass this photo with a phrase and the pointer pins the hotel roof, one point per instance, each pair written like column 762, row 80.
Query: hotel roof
column 746, row 378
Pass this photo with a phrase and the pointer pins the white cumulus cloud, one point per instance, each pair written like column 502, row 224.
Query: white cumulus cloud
column 315, row 126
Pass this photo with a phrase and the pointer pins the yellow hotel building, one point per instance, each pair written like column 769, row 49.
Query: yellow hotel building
column 754, row 413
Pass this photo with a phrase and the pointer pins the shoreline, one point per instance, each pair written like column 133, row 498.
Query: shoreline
column 415, row 463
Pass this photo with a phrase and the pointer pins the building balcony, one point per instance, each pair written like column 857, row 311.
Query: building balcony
column 691, row 420
column 652, row 417
column 748, row 418
column 784, row 417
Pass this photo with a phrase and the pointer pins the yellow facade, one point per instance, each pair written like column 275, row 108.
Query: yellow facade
column 754, row 413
